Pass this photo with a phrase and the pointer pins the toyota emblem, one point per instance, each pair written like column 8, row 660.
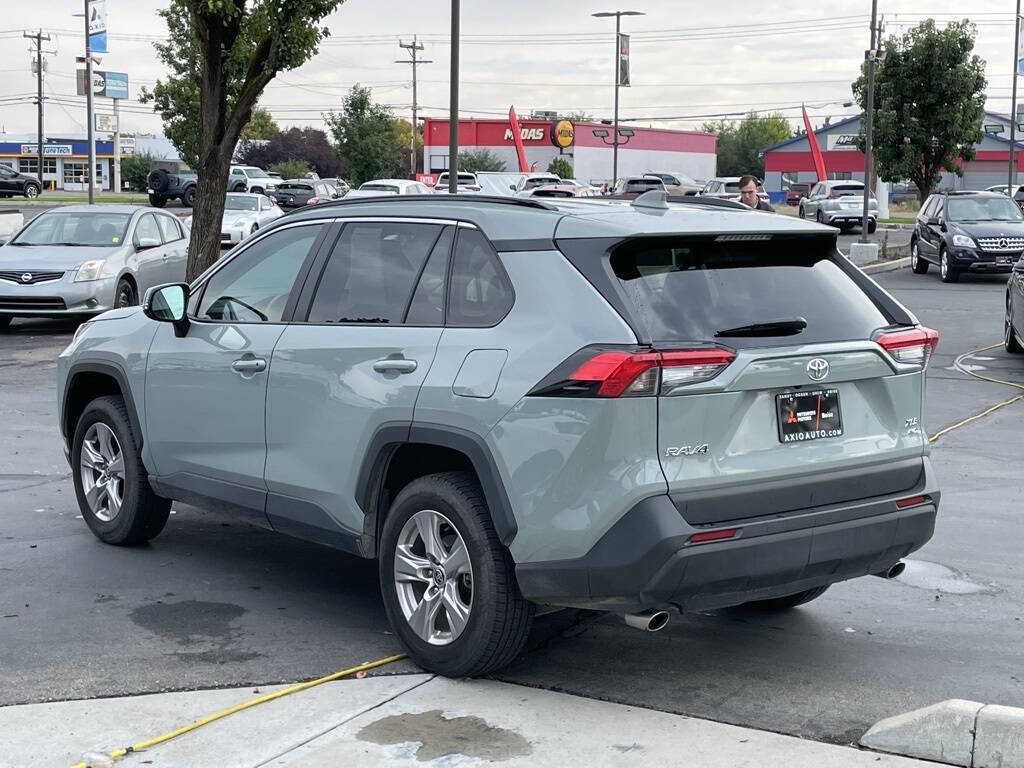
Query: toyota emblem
column 817, row 369
column 27, row 277
column 1004, row 245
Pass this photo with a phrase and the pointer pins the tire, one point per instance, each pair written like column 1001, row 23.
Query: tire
column 256, row 190
column 157, row 201
column 1010, row 342
column 802, row 212
column 32, row 191
column 947, row 271
column 188, row 197
column 787, row 602
column 919, row 265
column 239, row 188
column 496, row 617
column 141, row 514
column 872, row 226
column 254, row 230
column 126, row 295
column 819, row 218
column 5, row 321
column 158, row 180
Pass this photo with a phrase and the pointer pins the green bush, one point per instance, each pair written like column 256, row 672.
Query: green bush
column 135, row 169
column 480, row 160
column 291, row 169
column 561, row 168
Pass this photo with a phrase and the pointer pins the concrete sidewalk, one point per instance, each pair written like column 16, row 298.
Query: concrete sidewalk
column 407, row 720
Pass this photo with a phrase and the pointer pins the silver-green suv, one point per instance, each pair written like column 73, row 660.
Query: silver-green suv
column 629, row 407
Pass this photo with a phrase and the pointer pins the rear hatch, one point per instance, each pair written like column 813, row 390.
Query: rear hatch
column 786, row 379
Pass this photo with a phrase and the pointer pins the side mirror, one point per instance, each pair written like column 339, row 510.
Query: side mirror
column 512, row 187
column 933, row 221
column 166, row 304
column 142, row 243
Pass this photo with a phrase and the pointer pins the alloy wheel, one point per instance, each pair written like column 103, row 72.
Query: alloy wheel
column 31, row 191
column 433, row 577
column 913, row 255
column 102, row 470
column 944, row 265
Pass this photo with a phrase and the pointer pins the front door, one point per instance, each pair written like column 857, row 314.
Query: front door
column 206, row 392
column 149, row 253
column 355, row 363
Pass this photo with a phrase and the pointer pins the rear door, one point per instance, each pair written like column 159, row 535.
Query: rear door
column 789, row 403
column 175, row 251
column 365, row 336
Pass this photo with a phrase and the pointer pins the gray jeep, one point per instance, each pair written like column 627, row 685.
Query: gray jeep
column 169, row 179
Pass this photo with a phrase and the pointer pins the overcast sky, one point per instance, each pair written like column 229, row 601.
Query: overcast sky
column 690, row 60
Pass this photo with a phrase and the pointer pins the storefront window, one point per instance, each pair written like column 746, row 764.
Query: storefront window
column 74, row 172
column 50, row 166
column 29, row 165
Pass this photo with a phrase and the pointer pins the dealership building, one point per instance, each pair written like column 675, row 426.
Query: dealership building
column 645, row 150
column 791, row 160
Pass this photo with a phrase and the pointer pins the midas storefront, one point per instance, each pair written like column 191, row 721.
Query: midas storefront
column 65, row 162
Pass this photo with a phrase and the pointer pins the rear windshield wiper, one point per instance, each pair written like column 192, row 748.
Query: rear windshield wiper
column 788, row 327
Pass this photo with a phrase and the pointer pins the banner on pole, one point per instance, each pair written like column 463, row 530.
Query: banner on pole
column 624, row 60
column 97, row 26
column 1020, row 46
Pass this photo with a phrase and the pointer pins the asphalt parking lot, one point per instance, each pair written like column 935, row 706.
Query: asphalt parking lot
column 213, row 602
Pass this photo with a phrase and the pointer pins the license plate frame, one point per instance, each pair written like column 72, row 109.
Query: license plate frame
column 803, row 416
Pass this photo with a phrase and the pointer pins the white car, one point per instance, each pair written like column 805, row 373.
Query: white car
column 244, row 214
column 379, row 187
column 465, row 182
column 249, row 178
column 531, row 181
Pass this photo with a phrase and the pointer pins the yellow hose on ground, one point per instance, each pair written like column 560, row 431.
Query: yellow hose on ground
column 957, row 364
column 122, row 751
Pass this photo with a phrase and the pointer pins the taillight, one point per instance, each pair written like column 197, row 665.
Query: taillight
column 604, row 372
column 912, row 347
column 473, row 187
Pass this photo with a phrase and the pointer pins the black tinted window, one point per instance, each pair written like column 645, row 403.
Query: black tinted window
column 480, row 292
column 371, row 272
column 255, row 285
column 693, row 289
column 427, row 306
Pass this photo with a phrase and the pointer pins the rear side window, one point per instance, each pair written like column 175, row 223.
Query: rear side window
column 371, row 272
column 427, row 307
column 691, row 290
column 480, row 294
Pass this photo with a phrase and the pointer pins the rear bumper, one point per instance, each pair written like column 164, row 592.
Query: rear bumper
column 847, row 217
column 646, row 560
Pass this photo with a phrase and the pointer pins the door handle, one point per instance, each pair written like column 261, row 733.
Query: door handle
column 249, row 365
column 394, row 365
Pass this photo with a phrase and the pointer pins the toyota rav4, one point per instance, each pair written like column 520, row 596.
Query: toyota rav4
column 510, row 404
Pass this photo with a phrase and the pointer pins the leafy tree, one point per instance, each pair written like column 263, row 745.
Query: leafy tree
column 306, row 144
column 221, row 55
column 475, row 160
column 135, row 169
column 739, row 145
column 403, row 131
column 291, row 169
column 561, row 168
column 929, row 104
column 364, row 136
column 260, row 126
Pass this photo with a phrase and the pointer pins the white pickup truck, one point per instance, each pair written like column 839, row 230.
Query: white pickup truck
column 249, row 178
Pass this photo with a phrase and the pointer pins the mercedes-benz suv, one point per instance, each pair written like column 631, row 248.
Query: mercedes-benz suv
column 632, row 407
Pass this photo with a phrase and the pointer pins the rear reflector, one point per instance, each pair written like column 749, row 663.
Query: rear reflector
column 913, row 347
column 724, row 533
column 622, row 372
column 911, row 501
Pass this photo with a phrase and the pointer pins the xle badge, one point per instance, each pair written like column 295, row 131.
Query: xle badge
column 686, row 450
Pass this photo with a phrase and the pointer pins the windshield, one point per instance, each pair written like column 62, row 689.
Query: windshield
column 240, row 203
column 101, row 230
column 542, row 181
column 380, row 187
column 295, row 186
column 256, row 173
column 982, row 209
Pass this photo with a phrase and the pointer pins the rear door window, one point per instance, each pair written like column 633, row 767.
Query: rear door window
column 694, row 289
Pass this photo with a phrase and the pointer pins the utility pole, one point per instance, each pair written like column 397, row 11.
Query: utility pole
column 1012, row 178
column 453, row 106
column 117, row 146
column 413, row 49
column 39, row 37
column 871, row 55
column 90, row 172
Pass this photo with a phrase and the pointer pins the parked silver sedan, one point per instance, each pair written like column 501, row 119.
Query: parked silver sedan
column 83, row 260
column 244, row 214
column 839, row 203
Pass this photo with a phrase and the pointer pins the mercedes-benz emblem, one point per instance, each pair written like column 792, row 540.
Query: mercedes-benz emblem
column 1004, row 245
column 817, row 369
column 27, row 277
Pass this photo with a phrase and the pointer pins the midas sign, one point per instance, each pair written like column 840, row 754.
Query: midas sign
column 527, row 134
column 562, row 134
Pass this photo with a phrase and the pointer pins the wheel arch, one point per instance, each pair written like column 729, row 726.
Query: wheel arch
column 90, row 380
column 400, row 452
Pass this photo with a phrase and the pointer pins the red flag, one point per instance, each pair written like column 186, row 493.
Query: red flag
column 517, row 136
column 819, row 161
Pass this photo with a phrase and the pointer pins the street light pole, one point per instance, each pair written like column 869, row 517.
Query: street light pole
column 869, row 118
column 453, row 106
column 88, row 107
column 615, row 121
column 1012, row 177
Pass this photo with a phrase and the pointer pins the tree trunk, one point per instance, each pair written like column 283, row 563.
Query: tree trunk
column 208, row 213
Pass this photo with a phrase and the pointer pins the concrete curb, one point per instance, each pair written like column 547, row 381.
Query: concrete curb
column 956, row 732
column 886, row 266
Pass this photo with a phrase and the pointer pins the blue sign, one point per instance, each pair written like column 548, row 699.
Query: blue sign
column 97, row 10
column 117, row 85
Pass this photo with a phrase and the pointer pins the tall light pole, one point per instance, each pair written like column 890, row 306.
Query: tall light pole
column 615, row 127
column 88, row 107
column 1012, row 177
column 453, row 106
column 872, row 55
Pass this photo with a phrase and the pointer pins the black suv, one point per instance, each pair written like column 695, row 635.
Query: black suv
column 169, row 179
column 14, row 183
column 967, row 232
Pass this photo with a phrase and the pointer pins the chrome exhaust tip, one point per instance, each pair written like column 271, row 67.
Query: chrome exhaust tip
column 894, row 570
column 648, row 621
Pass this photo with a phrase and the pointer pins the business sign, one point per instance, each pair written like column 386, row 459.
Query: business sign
column 51, row 150
column 527, row 134
column 562, row 134
column 1020, row 46
column 112, row 85
column 128, row 145
column 97, row 26
column 840, row 142
column 106, row 123
column 624, row 60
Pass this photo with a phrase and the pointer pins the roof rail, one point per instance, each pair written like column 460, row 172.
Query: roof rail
column 716, row 202
column 524, row 202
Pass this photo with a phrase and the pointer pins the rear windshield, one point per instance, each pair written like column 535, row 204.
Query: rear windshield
column 841, row 190
column 296, row 187
column 694, row 289
column 380, row 188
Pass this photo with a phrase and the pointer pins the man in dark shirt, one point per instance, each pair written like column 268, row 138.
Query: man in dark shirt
column 748, row 194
